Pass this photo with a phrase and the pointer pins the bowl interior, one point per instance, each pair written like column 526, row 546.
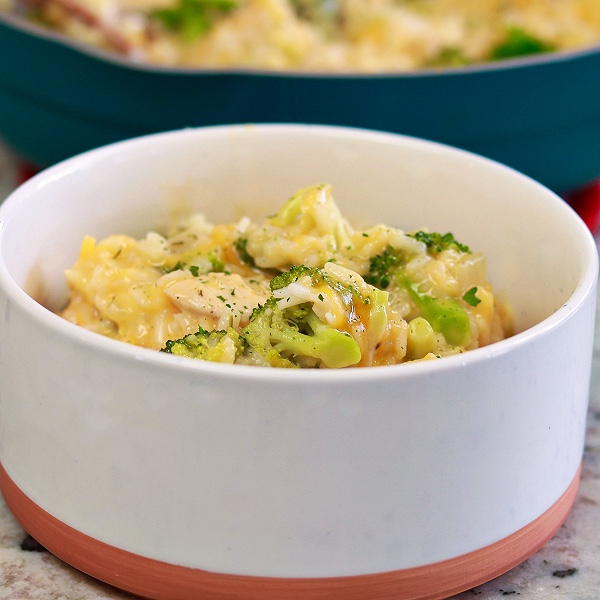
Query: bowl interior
column 539, row 252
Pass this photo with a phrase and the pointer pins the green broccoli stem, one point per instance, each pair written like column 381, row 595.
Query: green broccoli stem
column 446, row 315
column 334, row 348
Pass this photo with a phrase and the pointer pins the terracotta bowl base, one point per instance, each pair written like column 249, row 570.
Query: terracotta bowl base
column 156, row 580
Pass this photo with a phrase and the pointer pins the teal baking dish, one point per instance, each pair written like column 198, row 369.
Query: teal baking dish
column 540, row 115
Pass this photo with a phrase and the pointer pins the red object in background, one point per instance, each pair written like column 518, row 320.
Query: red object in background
column 25, row 171
column 585, row 201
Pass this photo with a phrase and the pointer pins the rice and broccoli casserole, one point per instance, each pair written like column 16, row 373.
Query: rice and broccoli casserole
column 322, row 35
column 301, row 288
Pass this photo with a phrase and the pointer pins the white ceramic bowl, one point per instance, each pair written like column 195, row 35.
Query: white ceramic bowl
column 179, row 479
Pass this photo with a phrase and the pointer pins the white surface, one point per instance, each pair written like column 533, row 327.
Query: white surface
column 573, row 554
column 498, row 414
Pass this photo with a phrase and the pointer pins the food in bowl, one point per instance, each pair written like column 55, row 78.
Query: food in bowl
column 324, row 35
column 303, row 288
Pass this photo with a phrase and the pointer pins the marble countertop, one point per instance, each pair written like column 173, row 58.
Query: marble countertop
column 568, row 567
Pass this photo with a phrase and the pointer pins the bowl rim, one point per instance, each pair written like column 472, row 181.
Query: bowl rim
column 119, row 349
column 21, row 24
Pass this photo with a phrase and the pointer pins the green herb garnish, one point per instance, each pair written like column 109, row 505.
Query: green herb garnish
column 240, row 246
column 470, row 298
column 382, row 267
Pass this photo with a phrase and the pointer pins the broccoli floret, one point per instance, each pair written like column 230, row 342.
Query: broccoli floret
column 313, row 210
column 299, row 208
column 294, row 273
column 445, row 315
column 192, row 18
column 291, row 336
column 299, row 330
column 257, row 335
column 519, row 42
column 287, row 336
column 308, row 229
column 216, row 346
column 318, row 276
column 437, row 242
column 383, row 266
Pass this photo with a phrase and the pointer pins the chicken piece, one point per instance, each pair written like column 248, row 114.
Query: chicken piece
column 219, row 300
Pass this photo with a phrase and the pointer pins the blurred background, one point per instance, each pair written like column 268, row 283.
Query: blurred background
column 514, row 80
